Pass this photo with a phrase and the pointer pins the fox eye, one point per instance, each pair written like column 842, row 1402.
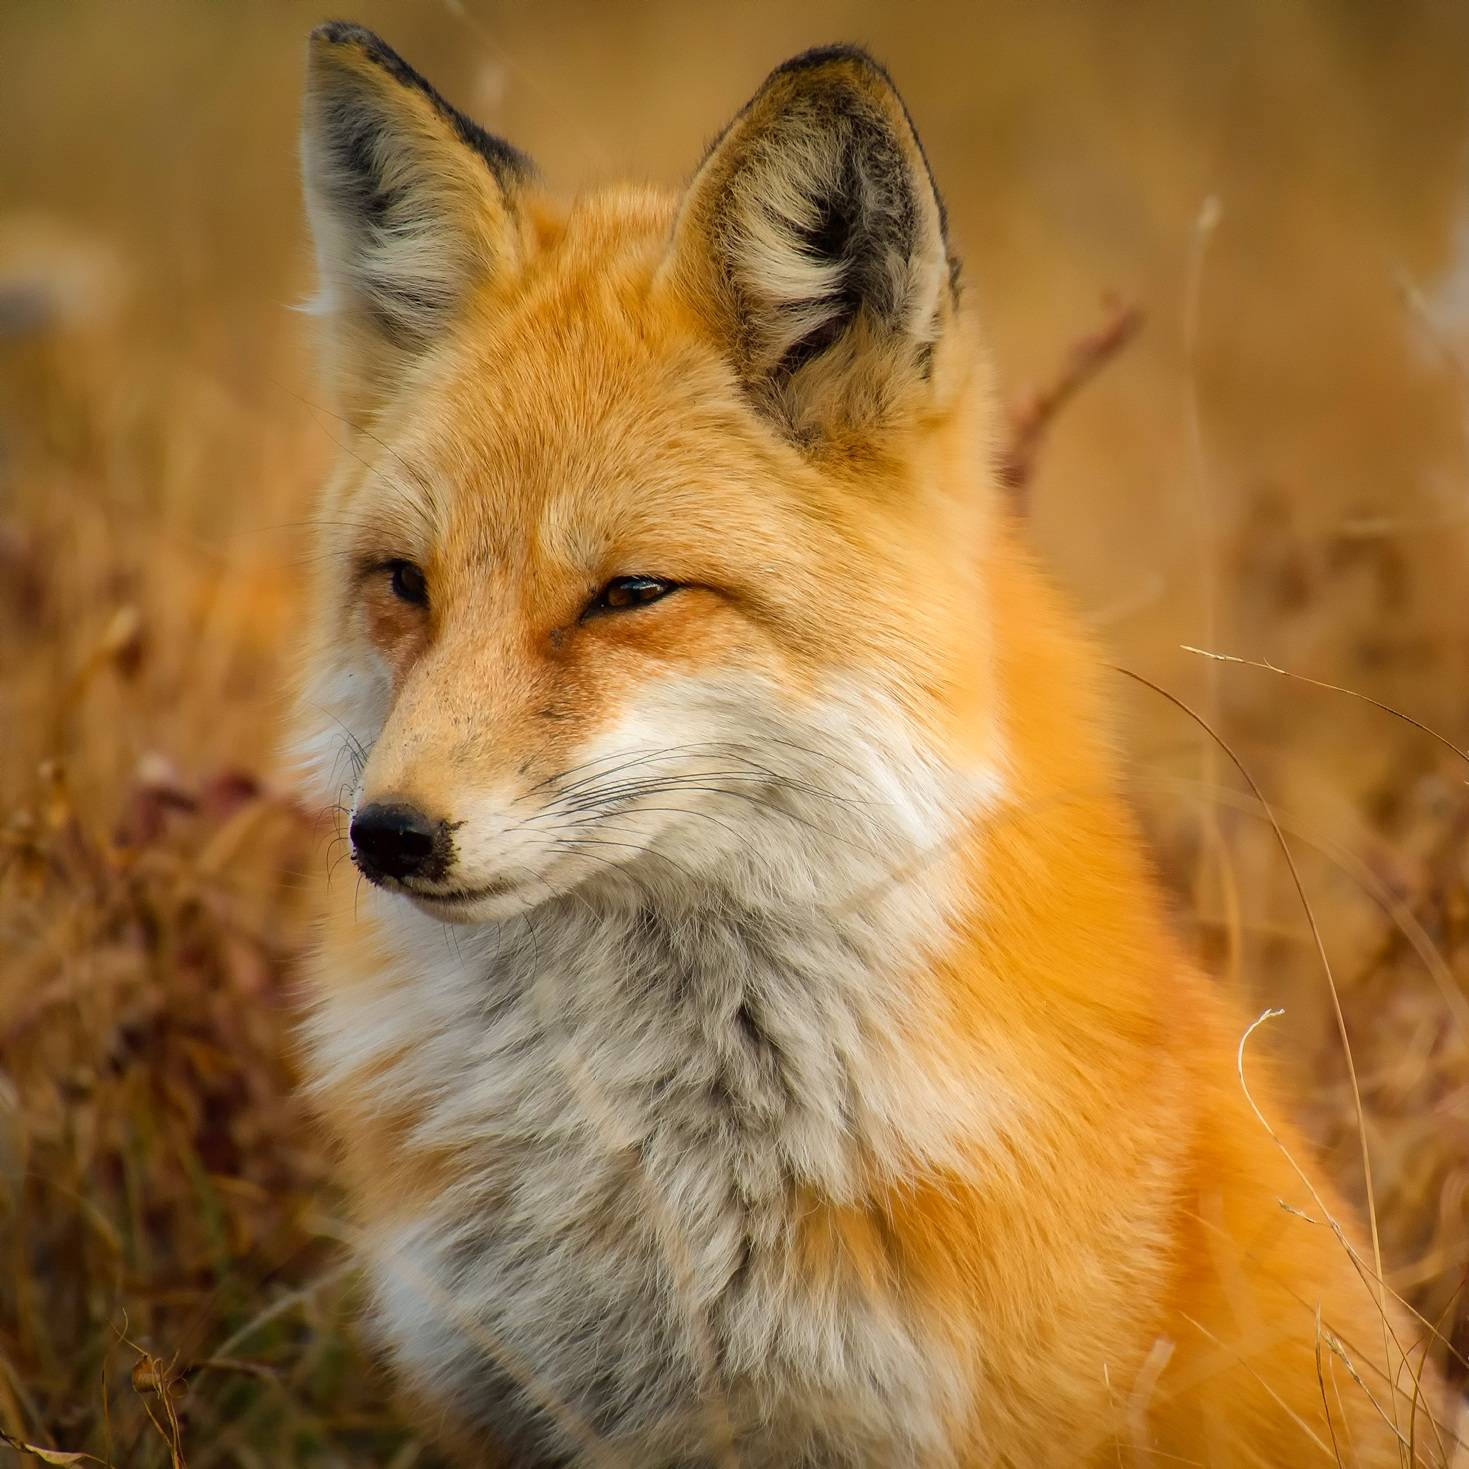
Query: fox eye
column 625, row 592
column 408, row 582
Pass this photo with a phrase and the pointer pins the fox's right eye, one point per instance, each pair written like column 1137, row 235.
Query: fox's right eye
column 408, row 582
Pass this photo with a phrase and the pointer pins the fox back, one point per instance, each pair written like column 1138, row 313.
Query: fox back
column 758, row 1040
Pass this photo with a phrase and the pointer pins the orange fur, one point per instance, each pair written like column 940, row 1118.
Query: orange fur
column 1114, row 1265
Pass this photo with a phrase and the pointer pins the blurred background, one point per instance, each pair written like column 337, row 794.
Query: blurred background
column 1275, row 465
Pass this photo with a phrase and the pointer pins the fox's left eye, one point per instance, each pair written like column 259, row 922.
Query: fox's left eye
column 625, row 592
column 408, row 582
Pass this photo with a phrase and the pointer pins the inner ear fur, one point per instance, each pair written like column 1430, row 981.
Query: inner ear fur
column 813, row 243
column 411, row 203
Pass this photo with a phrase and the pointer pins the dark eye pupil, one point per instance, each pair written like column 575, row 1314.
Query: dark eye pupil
column 629, row 591
column 409, row 583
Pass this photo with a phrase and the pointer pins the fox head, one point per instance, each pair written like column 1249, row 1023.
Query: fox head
column 654, row 553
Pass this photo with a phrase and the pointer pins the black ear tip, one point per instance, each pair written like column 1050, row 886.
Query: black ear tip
column 348, row 33
column 344, row 32
column 838, row 56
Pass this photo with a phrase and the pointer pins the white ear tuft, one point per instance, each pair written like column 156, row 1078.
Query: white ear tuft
column 410, row 202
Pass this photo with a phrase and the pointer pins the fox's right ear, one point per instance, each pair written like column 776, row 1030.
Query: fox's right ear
column 411, row 204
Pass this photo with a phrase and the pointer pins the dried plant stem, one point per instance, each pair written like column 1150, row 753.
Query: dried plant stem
column 1340, row 1017
column 1032, row 415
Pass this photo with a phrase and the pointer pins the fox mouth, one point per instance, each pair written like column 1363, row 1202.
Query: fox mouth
column 452, row 898
column 461, row 897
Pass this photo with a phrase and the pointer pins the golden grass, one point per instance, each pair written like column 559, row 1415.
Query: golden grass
column 1275, row 468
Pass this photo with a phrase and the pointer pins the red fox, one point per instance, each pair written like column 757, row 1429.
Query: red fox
column 759, row 1040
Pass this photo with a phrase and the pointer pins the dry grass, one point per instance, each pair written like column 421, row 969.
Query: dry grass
column 1295, row 442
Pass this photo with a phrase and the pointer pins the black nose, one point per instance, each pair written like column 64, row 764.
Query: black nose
column 395, row 840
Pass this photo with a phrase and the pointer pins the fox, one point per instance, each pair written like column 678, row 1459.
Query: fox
column 757, row 1035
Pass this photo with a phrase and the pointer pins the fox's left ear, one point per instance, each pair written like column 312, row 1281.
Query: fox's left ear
column 411, row 205
column 813, row 243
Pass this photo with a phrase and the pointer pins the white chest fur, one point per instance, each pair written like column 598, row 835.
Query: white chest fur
column 645, row 1102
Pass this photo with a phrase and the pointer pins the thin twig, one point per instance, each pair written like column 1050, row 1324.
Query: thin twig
column 1032, row 414
column 1335, row 688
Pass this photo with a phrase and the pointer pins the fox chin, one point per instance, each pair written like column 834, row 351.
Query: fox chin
column 756, row 1037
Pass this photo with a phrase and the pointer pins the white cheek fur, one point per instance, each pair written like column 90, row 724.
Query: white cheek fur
column 341, row 712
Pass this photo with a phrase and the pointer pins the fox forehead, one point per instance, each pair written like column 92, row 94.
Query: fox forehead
column 568, row 385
